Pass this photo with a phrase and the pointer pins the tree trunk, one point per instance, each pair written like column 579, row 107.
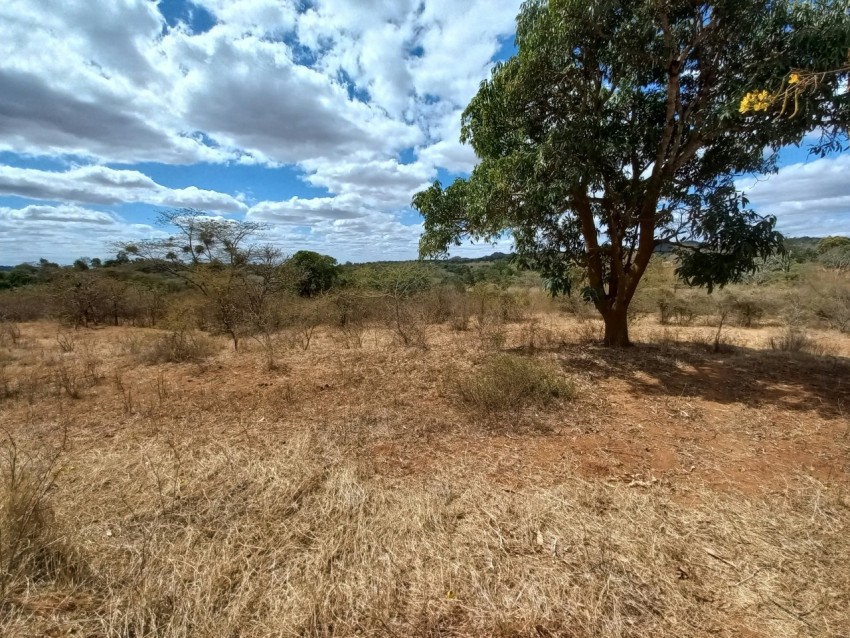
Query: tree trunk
column 616, row 328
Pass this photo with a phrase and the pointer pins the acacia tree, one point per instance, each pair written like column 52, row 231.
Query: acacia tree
column 200, row 243
column 216, row 257
column 618, row 126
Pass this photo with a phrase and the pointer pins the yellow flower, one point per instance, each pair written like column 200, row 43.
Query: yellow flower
column 794, row 79
column 756, row 101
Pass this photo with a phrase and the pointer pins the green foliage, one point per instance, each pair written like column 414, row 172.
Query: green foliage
column 396, row 281
column 509, row 382
column 315, row 273
column 835, row 241
column 616, row 127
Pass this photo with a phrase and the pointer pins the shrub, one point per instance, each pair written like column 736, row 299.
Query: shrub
column 509, row 382
column 31, row 548
column 179, row 347
column 497, row 304
column 25, row 304
column 836, row 258
column 315, row 273
column 746, row 311
column 795, row 340
column 10, row 333
column 675, row 310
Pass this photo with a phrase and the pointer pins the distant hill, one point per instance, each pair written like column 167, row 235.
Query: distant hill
column 497, row 256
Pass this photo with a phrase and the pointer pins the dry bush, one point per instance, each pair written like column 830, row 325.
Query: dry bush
column 132, row 344
column 350, row 336
column 509, row 382
column 33, row 550
column 448, row 305
column 488, row 335
column 26, row 304
column 828, row 299
column 179, row 347
column 794, row 340
column 67, row 379
column 406, row 318
column 589, row 329
column 576, row 306
column 351, row 307
column 10, row 333
column 493, row 304
column 66, row 341
column 676, row 310
column 534, row 335
column 746, row 308
column 9, row 388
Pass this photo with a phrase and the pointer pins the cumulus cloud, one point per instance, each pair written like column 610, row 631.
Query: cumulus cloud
column 807, row 198
column 103, row 185
column 62, row 232
column 268, row 82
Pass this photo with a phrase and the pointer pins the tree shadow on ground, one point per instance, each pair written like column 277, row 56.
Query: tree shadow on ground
column 752, row 377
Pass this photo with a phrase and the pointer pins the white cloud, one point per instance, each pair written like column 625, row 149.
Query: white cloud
column 102, row 185
column 807, row 198
column 62, row 233
column 381, row 183
column 119, row 86
column 64, row 213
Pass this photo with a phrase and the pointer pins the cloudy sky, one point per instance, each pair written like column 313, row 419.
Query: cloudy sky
column 318, row 117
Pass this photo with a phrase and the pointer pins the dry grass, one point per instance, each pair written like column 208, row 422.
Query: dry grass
column 795, row 340
column 508, row 382
column 179, row 347
column 303, row 540
column 348, row 494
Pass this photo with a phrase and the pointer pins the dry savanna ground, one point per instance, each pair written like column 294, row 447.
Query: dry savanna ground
column 508, row 481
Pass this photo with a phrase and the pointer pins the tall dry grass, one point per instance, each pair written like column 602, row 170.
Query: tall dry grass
column 305, row 539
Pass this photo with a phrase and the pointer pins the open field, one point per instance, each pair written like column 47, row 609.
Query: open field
column 367, row 488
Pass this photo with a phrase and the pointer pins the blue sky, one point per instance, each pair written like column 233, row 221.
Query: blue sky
column 318, row 117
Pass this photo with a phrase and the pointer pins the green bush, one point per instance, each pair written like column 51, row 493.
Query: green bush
column 509, row 382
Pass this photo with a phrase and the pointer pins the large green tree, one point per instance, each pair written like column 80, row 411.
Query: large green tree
column 618, row 125
column 316, row 273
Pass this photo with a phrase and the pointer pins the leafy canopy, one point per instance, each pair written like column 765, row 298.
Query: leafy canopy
column 316, row 273
column 618, row 126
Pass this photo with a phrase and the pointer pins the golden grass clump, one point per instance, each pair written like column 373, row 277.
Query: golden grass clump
column 179, row 347
column 509, row 382
column 33, row 551
column 794, row 340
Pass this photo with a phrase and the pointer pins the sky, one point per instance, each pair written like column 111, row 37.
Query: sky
column 320, row 118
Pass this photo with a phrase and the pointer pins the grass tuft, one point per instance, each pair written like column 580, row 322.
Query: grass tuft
column 509, row 382
column 795, row 340
column 179, row 347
